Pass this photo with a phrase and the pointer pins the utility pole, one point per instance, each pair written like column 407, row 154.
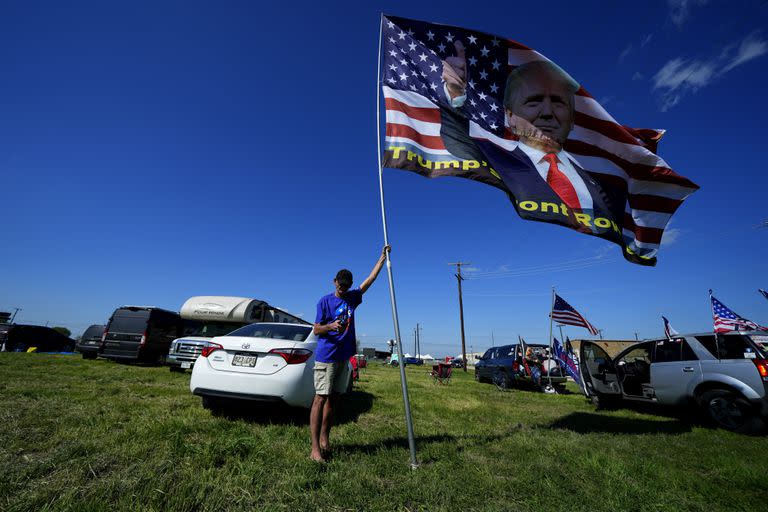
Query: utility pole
column 461, row 313
column 415, row 344
column 418, row 340
column 636, row 338
column 493, row 340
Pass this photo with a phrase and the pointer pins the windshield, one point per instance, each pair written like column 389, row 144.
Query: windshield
column 274, row 331
column 210, row 329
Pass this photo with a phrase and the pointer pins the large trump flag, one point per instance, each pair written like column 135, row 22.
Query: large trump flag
column 473, row 105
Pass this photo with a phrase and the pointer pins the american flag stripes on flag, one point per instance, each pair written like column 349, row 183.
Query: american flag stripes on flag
column 668, row 330
column 565, row 314
column 642, row 190
column 726, row 320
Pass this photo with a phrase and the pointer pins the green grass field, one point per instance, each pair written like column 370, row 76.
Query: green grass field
column 95, row 435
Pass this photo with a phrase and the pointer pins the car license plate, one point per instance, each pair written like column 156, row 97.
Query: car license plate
column 244, row 360
column 186, row 365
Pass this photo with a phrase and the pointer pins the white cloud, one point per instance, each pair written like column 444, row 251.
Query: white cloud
column 625, row 52
column 680, row 76
column 680, row 9
column 750, row 48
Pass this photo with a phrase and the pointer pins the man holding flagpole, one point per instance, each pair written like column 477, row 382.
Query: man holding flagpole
column 336, row 343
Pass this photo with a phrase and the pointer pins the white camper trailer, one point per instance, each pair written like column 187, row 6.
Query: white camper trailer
column 206, row 317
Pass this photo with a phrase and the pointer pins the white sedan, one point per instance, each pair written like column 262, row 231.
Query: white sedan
column 263, row 362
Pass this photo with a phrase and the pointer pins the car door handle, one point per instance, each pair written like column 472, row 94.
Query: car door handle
column 688, row 369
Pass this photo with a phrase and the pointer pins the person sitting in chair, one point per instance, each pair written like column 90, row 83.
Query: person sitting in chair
column 533, row 365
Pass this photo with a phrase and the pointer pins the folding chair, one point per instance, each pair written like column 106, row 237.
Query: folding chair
column 441, row 373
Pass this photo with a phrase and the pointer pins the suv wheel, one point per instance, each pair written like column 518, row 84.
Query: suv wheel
column 730, row 411
column 502, row 381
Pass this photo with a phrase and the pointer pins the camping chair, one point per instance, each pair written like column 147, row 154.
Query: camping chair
column 441, row 373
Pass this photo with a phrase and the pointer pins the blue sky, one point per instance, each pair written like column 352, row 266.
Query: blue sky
column 154, row 151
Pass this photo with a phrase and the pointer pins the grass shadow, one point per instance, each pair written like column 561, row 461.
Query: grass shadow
column 459, row 442
column 350, row 407
column 589, row 423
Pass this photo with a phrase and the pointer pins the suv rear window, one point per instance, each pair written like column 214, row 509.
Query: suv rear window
column 274, row 331
column 129, row 324
column 730, row 346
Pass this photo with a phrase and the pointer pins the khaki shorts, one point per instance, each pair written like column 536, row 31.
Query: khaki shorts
column 331, row 377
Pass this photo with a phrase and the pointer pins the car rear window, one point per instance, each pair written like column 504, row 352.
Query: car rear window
column 94, row 331
column 129, row 324
column 731, row 346
column 274, row 331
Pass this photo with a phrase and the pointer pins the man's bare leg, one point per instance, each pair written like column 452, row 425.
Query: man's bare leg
column 316, row 419
column 325, row 430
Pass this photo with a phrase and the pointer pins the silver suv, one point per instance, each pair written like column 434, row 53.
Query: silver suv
column 725, row 374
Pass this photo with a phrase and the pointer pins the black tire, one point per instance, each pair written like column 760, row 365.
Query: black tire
column 502, row 381
column 731, row 411
column 89, row 355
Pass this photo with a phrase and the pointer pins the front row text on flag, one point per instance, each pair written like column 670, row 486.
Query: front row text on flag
column 468, row 104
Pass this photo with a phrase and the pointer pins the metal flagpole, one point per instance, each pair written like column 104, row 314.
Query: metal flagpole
column 551, row 309
column 714, row 329
column 396, row 322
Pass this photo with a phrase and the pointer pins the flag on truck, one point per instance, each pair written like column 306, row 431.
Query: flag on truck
column 726, row 320
column 565, row 314
column 566, row 360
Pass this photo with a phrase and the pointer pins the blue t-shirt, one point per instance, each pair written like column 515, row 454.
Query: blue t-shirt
column 337, row 346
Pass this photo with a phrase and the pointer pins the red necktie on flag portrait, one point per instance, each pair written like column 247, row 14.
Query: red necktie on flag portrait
column 560, row 183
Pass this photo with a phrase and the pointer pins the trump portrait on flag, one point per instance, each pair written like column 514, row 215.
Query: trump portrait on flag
column 539, row 110
column 467, row 104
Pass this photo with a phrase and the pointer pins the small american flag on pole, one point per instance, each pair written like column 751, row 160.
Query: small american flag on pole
column 726, row 320
column 668, row 330
column 565, row 314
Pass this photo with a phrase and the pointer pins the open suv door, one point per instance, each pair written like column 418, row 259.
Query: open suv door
column 598, row 373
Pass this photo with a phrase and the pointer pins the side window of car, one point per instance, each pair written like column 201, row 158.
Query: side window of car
column 687, row 352
column 728, row 346
column 667, row 351
column 507, row 352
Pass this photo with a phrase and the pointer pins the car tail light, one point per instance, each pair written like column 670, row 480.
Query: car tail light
column 292, row 355
column 209, row 348
column 762, row 368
